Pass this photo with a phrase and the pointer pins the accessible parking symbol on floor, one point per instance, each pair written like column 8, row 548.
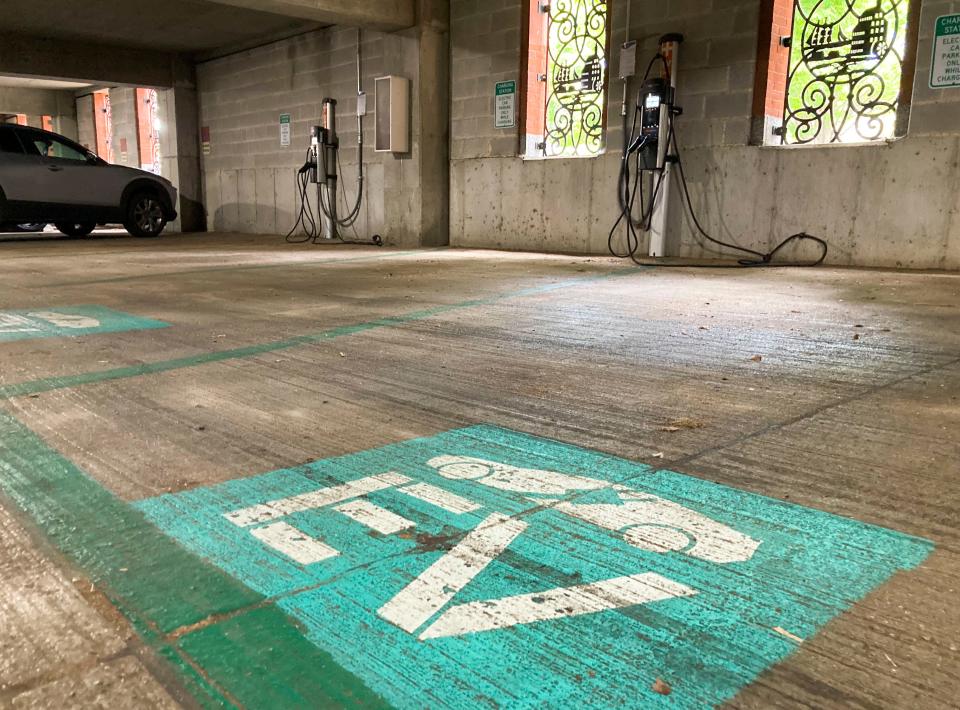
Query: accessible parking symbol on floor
column 487, row 567
column 69, row 321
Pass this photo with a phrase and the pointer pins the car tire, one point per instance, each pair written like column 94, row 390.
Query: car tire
column 144, row 215
column 75, row 229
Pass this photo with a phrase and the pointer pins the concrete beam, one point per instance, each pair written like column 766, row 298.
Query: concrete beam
column 385, row 15
column 64, row 59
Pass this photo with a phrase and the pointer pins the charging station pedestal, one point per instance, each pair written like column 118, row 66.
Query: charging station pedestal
column 670, row 49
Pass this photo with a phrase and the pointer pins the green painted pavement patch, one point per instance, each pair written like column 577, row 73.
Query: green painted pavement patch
column 486, row 567
column 48, row 384
column 69, row 321
column 162, row 588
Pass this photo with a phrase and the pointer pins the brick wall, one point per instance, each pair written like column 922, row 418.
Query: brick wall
column 857, row 197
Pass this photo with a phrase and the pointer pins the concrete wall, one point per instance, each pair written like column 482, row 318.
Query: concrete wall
column 879, row 205
column 249, row 178
column 42, row 102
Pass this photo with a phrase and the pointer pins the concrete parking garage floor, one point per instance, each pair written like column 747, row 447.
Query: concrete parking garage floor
column 834, row 390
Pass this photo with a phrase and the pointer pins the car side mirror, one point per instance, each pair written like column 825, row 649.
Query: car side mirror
column 93, row 159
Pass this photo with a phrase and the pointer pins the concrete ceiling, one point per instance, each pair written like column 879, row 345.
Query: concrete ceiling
column 24, row 82
column 171, row 25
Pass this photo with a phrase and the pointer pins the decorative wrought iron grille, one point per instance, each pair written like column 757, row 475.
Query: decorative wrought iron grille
column 846, row 63
column 576, row 78
column 153, row 107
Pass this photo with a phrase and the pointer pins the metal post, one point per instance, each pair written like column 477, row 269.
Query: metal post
column 670, row 49
column 329, row 164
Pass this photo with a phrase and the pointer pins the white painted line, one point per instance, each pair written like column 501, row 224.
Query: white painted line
column 296, row 545
column 792, row 637
column 512, row 478
column 374, row 517
column 67, row 320
column 314, row 499
column 440, row 582
column 440, row 498
column 660, row 525
column 616, row 593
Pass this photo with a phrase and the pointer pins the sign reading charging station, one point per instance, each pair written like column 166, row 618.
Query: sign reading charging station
column 945, row 70
column 505, row 111
column 487, row 567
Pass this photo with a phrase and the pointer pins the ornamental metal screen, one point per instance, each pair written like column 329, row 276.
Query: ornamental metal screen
column 846, row 63
column 576, row 78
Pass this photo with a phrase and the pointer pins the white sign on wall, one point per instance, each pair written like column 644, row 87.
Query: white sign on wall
column 945, row 71
column 284, row 129
column 506, row 104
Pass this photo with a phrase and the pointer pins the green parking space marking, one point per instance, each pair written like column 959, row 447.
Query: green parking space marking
column 48, row 384
column 229, row 644
column 485, row 567
column 69, row 321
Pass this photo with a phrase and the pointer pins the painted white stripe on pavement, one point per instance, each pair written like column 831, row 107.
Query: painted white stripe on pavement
column 294, row 544
column 556, row 603
column 314, row 499
column 440, row 498
column 440, row 582
column 374, row 517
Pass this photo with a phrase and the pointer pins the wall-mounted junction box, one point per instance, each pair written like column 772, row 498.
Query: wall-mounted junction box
column 392, row 100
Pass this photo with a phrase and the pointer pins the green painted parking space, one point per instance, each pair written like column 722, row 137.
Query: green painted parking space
column 487, row 567
column 69, row 321
column 230, row 645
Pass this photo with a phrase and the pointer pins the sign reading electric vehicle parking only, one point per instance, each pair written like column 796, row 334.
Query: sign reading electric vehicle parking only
column 945, row 72
column 483, row 567
column 284, row 129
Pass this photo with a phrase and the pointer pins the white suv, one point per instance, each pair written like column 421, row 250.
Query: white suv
column 45, row 177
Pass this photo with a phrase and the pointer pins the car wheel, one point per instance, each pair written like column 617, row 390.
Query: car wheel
column 145, row 215
column 75, row 229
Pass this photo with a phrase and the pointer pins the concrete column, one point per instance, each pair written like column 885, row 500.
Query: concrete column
column 86, row 131
column 123, row 107
column 180, row 147
column 434, row 96
column 416, row 184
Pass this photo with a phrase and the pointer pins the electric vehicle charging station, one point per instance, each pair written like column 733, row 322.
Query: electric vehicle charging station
column 662, row 93
column 322, row 170
column 651, row 160
column 324, row 148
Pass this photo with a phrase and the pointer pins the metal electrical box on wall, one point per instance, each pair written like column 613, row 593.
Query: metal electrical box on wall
column 392, row 101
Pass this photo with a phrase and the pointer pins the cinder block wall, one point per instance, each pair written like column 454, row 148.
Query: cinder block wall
column 878, row 205
column 249, row 179
column 36, row 103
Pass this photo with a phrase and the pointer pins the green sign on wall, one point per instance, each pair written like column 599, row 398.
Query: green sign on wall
column 506, row 108
column 284, row 129
column 945, row 69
